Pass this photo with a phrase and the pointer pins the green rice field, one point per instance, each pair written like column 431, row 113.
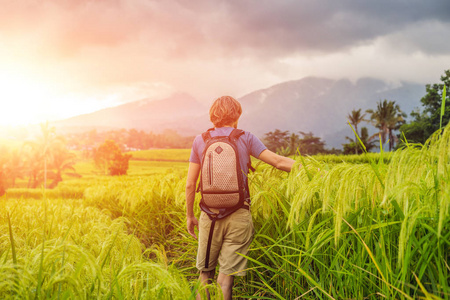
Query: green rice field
column 374, row 226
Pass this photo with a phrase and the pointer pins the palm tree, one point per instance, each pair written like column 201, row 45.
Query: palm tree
column 3, row 159
column 387, row 118
column 355, row 117
column 33, row 165
column 294, row 143
column 48, row 142
column 276, row 140
column 365, row 140
column 42, row 152
column 15, row 165
column 63, row 160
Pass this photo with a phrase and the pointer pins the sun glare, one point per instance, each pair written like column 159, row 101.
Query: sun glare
column 23, row 99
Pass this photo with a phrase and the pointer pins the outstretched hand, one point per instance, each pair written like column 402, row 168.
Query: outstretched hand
column 191, row 223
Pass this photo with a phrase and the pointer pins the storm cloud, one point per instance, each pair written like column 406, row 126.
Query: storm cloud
column 208, row 47
column 186, row 27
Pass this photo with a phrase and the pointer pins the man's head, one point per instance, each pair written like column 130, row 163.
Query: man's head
column 225, row 111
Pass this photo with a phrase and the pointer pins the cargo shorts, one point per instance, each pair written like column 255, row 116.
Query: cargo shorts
column 231, row 238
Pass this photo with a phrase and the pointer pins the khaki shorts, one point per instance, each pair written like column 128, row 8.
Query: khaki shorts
column 232, row 235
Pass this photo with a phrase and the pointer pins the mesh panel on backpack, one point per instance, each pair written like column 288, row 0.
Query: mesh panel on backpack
column 220, row 180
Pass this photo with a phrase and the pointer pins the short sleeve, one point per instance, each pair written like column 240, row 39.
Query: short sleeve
column 195, row 156
column 255, row 145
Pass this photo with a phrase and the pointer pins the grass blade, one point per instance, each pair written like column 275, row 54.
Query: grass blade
column 11, row 238
column 444, row 92
column 356, row 134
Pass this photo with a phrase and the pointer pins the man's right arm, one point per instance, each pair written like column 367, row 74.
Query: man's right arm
column 278, row 161
column 193, row 173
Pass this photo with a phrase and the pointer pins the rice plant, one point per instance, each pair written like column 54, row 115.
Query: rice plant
column 336, row 227
column 355, row 230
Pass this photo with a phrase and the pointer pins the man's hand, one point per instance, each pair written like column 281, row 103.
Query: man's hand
column 191, row 223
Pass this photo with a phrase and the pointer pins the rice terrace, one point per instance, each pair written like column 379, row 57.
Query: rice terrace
column 343, row 227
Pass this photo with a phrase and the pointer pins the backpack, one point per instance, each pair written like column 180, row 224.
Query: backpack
column 221, row 182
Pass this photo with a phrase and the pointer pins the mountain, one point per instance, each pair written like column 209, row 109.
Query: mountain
column 321, row 105
column 311, row 104
column 175, row 112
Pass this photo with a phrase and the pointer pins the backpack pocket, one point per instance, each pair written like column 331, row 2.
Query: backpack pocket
column 221, row 200
column 210, row 169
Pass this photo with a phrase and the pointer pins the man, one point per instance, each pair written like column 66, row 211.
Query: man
column 234, row 233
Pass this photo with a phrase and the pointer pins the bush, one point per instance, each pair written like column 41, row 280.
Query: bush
column 109, row 158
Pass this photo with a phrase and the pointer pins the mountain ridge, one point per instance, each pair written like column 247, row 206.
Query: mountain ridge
column 311, row 104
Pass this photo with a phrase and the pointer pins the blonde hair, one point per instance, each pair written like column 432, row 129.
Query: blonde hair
column 225, row 111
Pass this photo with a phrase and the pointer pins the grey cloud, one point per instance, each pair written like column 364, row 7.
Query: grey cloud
column 429, row 38
column 328, row 26
column 266, row 28
column 219, row 29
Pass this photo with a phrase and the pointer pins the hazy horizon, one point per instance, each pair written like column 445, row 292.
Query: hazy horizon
column 65, row 58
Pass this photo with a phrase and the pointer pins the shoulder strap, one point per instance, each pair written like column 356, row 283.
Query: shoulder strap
column 207, row 135
column 236, row 133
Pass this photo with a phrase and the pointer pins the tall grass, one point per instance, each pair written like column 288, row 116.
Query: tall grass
column 339, row 227
column 355, row 230
column 66, row 250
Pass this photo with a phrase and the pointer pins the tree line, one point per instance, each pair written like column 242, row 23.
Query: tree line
column 42, row 161
column 386, row 118
column 390, row 121
column 128, row 140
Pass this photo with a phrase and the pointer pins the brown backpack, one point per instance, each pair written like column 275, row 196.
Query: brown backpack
column 221, row 181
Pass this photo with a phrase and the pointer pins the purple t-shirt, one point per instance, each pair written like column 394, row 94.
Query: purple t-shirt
column 248, row 144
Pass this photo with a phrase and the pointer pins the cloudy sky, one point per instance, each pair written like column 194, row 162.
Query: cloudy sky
column 65, row 57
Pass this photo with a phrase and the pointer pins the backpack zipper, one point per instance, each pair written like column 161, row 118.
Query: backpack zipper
column 210, row 168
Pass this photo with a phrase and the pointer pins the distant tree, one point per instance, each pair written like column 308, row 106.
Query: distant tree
column 43, row 148
column 2, row 183
column 293, row 142
column 310, row 144
column 63, row 161
column 285, row 143
column 34, row 166
column 119, row 165
column 39, row 154
column 276, row 140
column 92, row 137
column 131, row 138
column 11, row 165
column 354, row 143
column 3, row 160
column 355, row 117
column 15, row 166
column 136, row 139
column 425, row 123
column 387, row 118
column 119, row 136
column 108, row 157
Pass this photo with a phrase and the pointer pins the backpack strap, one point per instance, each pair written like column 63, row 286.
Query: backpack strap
column 208, row 246
column 207, row 135
column 214, row 217
column 235, row 134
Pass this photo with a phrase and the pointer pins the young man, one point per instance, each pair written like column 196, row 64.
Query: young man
column 234, row 233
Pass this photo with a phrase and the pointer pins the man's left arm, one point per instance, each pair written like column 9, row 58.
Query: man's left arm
column 191, row 220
